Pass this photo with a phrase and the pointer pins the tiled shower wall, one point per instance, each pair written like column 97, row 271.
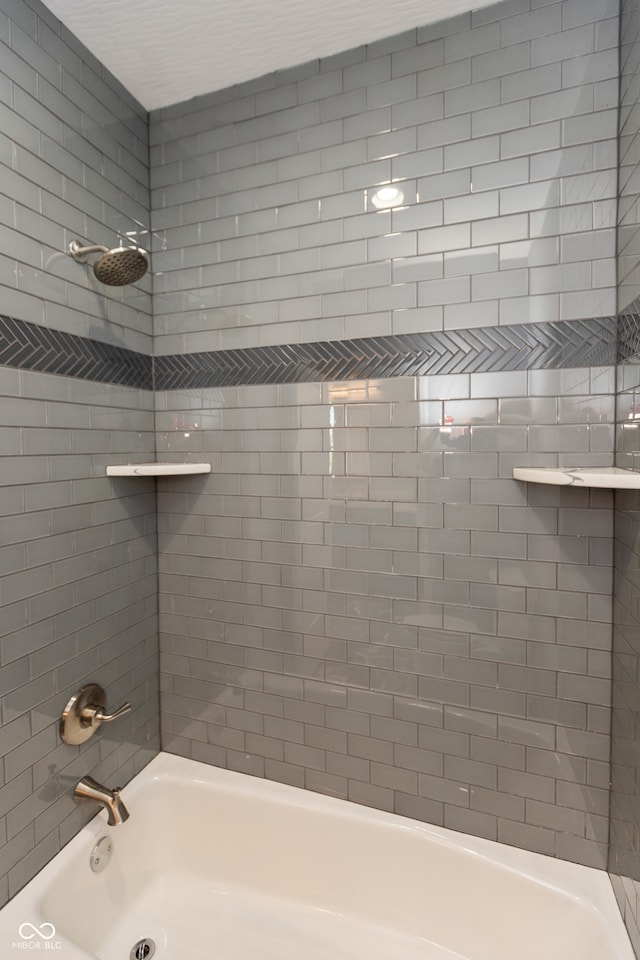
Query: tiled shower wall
column 362, row 602
column 625, row 824
column 360, row 599
column 398, row 627
column 77, row 551
column 499, row 128
column 628, row 212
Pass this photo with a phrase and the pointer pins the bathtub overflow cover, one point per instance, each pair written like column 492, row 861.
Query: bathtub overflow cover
column 101, row 854
column 143, row 950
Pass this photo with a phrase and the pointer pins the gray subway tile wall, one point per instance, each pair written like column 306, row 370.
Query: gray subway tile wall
column 78, row 600
column 78, row 554
column 526, row 155
column 623, row 856
column 359, row 600
column 628, row 232
column 380, row 611
column 624, row 844
column 61, row 150
column 448, row 637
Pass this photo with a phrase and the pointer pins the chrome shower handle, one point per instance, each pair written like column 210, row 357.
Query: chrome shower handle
column 93, row 715
column 85, row 712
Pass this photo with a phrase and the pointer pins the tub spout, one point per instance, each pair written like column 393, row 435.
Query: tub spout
column 90, row 789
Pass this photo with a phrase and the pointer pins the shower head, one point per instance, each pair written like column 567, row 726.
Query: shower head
column 116, row 267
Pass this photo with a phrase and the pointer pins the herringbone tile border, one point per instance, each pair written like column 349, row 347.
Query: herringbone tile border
column 629, row 332
column 29, row 346
column 576, row 343
column 572, row 343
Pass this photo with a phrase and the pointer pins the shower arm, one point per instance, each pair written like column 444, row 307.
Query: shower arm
column 80, row 253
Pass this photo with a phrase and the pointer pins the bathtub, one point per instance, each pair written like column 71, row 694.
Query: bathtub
column 215, row 865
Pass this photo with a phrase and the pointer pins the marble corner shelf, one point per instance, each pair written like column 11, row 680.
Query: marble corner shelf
column 609, row 477
column 157, row 469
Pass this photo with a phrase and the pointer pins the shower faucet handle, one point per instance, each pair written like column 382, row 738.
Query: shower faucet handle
column 85, row 712
column 93, row 716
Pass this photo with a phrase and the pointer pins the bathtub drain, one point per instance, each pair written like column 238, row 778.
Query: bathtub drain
column 142, row 950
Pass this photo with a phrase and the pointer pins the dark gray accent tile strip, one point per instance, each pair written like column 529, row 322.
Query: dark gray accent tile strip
column 527, row 346
column 629, row 332
column 30, row 346
column 572, row 343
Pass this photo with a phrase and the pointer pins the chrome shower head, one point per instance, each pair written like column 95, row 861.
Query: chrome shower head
column 116, row 267
column 121, row 266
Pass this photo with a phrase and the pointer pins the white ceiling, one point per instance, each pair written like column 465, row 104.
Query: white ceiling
column 165, row 52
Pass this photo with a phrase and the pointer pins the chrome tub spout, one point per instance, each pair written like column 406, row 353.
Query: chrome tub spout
column 90, row 789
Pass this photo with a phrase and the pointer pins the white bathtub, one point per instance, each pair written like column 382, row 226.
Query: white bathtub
column 214, row 865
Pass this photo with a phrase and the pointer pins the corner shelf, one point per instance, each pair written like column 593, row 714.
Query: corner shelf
column 157, row 469
column 605, row 477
